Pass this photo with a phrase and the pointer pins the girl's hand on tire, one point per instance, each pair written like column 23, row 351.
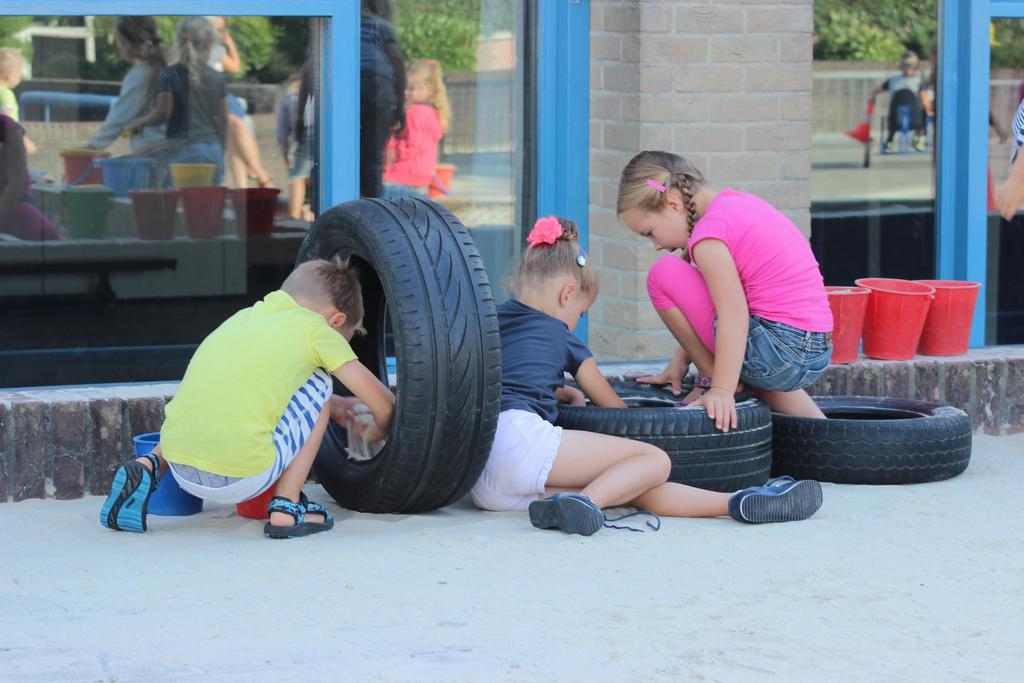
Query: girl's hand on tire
column 721, row 407
column 570, row 396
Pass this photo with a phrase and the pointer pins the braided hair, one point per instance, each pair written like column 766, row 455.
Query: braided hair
column 666, row 170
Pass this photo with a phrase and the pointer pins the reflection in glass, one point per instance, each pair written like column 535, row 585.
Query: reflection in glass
column 172, row 165
column 872, row 149
column 1004, row 282
column 460, row 137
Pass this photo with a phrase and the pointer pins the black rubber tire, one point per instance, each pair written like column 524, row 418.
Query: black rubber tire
column 420, row 269
column 701, row 455
column 869, row 440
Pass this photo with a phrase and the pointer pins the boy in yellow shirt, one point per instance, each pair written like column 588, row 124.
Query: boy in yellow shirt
column 254, row 403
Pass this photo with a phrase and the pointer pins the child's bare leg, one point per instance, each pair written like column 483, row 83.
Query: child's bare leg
column 797, row 403
column 296, row 197
column 678, row 500
column 294, row 476
column 607, row 469
column 686, row 335
column 239, row 170
column 247, row 149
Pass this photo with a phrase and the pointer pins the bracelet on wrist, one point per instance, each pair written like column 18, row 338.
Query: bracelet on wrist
column 720, row 389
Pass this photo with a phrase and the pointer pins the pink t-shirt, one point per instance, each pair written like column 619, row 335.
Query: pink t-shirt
column 777, row 268
column 413, row 154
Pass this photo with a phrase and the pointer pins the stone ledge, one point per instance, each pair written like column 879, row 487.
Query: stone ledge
column 67, row 442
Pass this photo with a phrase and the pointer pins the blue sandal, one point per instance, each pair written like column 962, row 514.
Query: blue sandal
column 125, row 507
column 298, row 512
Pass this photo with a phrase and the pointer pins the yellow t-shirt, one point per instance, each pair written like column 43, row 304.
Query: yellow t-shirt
column 9, row 103
column 239, row 382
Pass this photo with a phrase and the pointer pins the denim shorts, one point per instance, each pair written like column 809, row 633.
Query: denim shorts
column 780, row 357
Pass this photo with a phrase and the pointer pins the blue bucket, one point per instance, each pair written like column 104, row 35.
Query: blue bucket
column 126, row 173
column 168, row 499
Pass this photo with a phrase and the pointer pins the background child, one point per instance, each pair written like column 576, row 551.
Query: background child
column 191, row 100
column 12, row 63
column 412, row 153
column 296, row 141
column 253, row 406
column 582, row 472
column 756, row 281
column 381, row 88
column 904, row 90
column 138, row 41
column 18, row 216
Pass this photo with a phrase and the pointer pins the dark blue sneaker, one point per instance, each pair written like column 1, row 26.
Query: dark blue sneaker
column 573, row 513
column 782, row 502
column 125, row 507
column 779, row 482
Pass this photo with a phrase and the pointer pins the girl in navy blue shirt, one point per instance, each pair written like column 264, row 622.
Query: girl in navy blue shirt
column 565, row 477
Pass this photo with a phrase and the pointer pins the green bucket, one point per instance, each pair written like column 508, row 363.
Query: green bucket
column 87, row 207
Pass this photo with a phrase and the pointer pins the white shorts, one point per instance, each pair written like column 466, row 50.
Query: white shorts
column 290, row 435
column 517, row 469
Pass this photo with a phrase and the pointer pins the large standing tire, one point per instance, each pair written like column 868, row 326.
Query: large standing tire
column 422, row 275
column 868, row 440
column 701, row 455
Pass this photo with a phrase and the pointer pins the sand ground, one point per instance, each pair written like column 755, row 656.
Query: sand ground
column 909, row 583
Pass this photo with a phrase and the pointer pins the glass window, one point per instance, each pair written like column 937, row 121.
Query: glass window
column 1004, row 282
column 441, row 112
column 873, row 152
column 159, row 174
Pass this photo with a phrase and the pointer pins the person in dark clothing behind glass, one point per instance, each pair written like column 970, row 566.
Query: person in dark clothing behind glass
column 382, row 91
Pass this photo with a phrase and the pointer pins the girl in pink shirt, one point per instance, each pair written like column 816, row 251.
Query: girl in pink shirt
column 752, row 307
column 412, row 154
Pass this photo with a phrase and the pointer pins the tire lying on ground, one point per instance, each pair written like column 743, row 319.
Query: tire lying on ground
column 423, row 279
column 869, row 440
column 701, row 455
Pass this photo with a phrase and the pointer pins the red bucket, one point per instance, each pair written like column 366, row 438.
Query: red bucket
column 947, row 329
column 895, row 316
column 254, row 208
column 204, row 210
column 256, row 508
column 441, row 184
column 848, row 304
column 79, row 168
column 156, row 213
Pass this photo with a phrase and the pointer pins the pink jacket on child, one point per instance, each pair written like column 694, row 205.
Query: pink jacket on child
column 413, row 153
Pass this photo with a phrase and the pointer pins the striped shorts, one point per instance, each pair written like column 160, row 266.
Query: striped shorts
column 289, row 436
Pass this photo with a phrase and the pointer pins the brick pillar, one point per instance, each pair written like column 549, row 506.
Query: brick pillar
column 725, row 84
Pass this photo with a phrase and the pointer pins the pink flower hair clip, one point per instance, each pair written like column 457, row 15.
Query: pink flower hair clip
column 655, row 184
column 545, row 231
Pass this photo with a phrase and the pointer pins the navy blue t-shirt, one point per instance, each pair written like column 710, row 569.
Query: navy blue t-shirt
column 536, row 352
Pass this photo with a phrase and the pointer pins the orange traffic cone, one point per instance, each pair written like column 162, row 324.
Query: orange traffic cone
column 862, row 131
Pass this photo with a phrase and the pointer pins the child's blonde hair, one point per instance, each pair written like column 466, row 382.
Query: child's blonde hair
column 11, row 59
column 196, row 36
column 540, row 262
column 433, row 76
column 649, row 176
column 332, row 282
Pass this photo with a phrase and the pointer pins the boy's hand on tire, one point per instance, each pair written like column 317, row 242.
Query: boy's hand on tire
column 721, row 407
